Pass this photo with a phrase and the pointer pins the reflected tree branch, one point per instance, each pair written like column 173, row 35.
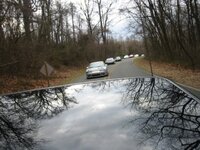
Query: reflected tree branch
column 20, row 113
column 168, row 113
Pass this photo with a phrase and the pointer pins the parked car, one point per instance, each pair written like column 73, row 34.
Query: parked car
column 131, row 56
column 96, row 69
column 136, row 55
column 110, row 61
column 126, row 56
column 118, row 58
column 117, row 114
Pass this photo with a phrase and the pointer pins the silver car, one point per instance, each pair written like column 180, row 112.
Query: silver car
column 110, row 61
column 96, row 69
column 118, row 58
column 131, row 56
column 126, row 56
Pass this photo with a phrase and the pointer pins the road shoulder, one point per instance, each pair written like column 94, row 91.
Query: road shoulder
column 186, row 78
column 64, row 75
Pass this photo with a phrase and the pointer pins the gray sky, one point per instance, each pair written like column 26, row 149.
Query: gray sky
column 119, row 25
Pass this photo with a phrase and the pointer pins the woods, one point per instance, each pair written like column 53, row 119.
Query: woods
column 34, row 31
column 169, row 28
column 66, row 33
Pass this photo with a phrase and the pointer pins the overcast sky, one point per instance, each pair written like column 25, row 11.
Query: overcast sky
column 119, row 25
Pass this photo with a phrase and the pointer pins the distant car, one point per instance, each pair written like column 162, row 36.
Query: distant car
column 96, row 69
column 126, row 56
column 131, row 56
column 118, row 58
column 136, row 55
column 110, row 61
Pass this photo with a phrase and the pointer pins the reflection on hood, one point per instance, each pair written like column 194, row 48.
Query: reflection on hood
column 168, row 112
column 165, row 114
column 19, row 113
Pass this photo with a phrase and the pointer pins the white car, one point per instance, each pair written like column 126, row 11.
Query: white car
column 118, row 58
column 131, row 56
column 110, row 61
column 136, row 55
column 96, row 69
column 126, row 56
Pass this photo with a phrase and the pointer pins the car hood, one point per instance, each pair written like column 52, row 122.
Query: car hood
column 134, row 113
column 95, row 68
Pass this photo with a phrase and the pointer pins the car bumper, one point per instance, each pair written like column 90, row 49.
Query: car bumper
column 110, row 63
column 96, row 74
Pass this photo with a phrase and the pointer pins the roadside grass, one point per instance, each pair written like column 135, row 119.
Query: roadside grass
column 74, row 75
column 64, row 75
column 171, row 71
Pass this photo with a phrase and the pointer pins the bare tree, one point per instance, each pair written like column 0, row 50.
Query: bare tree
column 103, row 14
column 27, row 13
column 171, row 29
column 88, row 9
column 32, row 31
column 72, row 12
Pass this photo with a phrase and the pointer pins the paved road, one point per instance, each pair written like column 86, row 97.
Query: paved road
column 124, row 68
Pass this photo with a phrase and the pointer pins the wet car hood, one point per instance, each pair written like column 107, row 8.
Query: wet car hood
column 135, row 113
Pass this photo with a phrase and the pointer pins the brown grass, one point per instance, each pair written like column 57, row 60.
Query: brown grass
column 63, row 76
column 174, row 72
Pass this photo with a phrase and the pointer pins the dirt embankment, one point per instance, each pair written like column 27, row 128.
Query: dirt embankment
column 171, row 71
column 64, row 75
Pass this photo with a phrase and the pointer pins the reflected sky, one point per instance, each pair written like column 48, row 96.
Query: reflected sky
column 138, row 113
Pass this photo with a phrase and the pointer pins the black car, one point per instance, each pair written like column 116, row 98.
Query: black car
column 119, row 114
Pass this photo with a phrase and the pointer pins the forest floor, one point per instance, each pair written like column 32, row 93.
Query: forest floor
column 171, row 71
column 10, row 84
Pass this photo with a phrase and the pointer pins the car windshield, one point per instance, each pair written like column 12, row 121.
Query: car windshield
column 109, row 59
column 96, row 64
